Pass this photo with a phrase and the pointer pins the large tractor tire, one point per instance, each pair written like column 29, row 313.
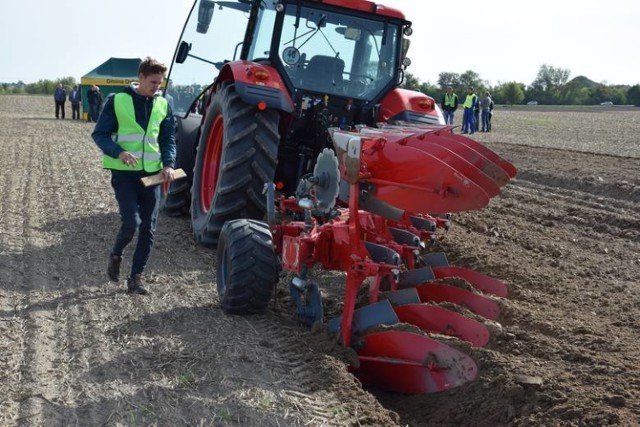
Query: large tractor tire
column 237, row 154
column 247, row 266
column 177, row 201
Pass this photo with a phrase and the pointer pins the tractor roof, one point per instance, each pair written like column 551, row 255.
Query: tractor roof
column 367, row 6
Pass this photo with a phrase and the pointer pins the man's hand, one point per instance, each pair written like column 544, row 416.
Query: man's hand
column 167, row 174
column 127, row 158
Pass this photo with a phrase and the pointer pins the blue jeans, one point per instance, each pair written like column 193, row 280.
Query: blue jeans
column 94, row 112
column 448, row 117
column 468, row 123
column 139, row 208
column 485, row 120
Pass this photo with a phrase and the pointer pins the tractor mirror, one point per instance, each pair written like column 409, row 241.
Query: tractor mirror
column 322, row 21
column 349, row 33
column 183, row 52
column 205, row 12
column 405, row 47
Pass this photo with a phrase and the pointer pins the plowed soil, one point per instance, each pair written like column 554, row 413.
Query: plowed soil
column 76, row 350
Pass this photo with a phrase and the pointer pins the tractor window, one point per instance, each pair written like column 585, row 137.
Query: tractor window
column 210, row 46
column 263, row 34
column 338, row 54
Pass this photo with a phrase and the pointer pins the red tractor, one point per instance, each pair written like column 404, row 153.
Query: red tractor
column 304, row 151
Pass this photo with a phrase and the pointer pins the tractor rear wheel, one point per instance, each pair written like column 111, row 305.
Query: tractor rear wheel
column 237, row 154
column 247, row 266
column 178, row 199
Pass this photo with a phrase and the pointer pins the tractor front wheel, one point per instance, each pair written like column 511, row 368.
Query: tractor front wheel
column 247, row 266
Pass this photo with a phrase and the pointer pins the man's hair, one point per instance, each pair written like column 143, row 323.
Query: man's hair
column 151, row 66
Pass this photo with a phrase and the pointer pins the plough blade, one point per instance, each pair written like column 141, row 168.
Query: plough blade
column 479, row 281
column 443, row 189
column 508, row 167
column 494, row 171
column 477, row 303
column 482, row 157
column 458, row 163
column 410, row 363
column 424, row 140
column 431, row 318
column 442, row 270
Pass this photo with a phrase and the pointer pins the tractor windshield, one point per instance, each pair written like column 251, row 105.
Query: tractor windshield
column 336, row 53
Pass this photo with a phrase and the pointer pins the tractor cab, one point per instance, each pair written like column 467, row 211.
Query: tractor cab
column 352, row 50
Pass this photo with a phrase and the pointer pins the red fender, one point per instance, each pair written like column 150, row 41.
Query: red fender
column 399, row 101
column 257, row 84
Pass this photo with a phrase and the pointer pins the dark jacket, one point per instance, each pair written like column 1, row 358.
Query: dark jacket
column 60, row 95
column 108, row 125
column 92, row 97
column 75, row 97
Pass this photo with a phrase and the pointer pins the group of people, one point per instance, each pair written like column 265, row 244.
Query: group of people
column 94, row 99
column 475, row 111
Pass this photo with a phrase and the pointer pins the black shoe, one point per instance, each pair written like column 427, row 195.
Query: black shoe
column 134, row 285
column 113, row 269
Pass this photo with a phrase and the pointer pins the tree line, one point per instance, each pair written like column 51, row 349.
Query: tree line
column 41, row 87
column 551, row 87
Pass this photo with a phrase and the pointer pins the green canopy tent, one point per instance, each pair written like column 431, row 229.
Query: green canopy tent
column 112, row 76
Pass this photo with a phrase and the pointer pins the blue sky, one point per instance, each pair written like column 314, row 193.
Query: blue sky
column 502, row 40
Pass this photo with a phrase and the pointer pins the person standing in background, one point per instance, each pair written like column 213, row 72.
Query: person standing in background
column 486, row 106
column 60, row 96
column 92, row 115
column 469, row 105
column 75, row 98
column 449, row 105
column 99, row 101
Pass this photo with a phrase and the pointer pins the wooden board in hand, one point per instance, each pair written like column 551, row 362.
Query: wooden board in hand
column 156, row 179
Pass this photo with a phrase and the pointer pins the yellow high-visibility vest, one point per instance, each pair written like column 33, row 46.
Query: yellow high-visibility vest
column 142, row 143
column 470, row 100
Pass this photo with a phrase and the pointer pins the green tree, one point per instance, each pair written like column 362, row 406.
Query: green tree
column 470, row 78
column 432, row 91
column 449, row 79
column 548, row 83
column 633, row 95
column 511, row 93
column 410, row 82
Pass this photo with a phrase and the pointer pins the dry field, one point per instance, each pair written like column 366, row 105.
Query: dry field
column 76, row 350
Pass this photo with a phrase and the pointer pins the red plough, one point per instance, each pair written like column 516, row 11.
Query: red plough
column 371, row 210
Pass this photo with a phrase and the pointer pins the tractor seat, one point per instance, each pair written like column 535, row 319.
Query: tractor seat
column 324, row 74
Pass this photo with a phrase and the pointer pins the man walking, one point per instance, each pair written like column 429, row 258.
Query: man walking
column 136, row 133
column 449, row 105
column 75, row 98
column 60, row 96
column 469, row 105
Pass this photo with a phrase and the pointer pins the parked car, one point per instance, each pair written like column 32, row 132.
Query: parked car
column 606, row 103
column 532, row 103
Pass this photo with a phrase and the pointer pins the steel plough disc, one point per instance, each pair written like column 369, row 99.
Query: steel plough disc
column 328, row 174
